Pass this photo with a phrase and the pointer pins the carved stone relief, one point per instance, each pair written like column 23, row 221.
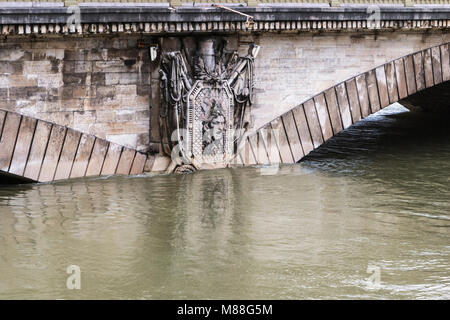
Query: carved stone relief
column 206, row 95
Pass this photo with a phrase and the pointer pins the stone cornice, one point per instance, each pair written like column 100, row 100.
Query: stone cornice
column 160, row 20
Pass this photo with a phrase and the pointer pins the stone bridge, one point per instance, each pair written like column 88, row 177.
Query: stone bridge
column 87, row 98
column 420, row 79
column 33, row 150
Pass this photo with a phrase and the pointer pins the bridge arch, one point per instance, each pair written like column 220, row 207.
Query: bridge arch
column 33, row 150
column 294, row 134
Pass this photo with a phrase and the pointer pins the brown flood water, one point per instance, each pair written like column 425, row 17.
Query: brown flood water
column 375, row 198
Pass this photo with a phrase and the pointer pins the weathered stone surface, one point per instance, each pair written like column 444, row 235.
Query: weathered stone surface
column 269, row 138
column 419, row 71
column 283, row 142
column 68, row 154
column 8, row 139
column 292, row 136
column 160, row 164
column 52, row 153
column 382, row 86
column 97, row 158
column 436, row 62
column 22, row 147
column 200, row 18
column 126, row 161
column 410, row 75
column 303, row 129
column 69, row 81
column 290, row 82
column 324, row 118
column 353, row 100
column 247, row 155
column 2, row 120
column 372, row 88
column 67, row 85
column 112, row 159
column 363, row 95
column 263, row 158
column 333, row 109
column 138, row 163
column 445, row 59
column 428, row 67
column 344, row 105
column 391, row 82
column 292, row 68
column 250, row 153
column 313, row 123
column 253, row 141
column 367, row 93
column 82, row 156
column 401, row 78
column 38, row 148
column 238, row 160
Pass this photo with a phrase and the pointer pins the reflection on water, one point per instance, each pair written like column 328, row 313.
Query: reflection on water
column 375, row 196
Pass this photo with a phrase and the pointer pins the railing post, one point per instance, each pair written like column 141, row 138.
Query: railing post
column 408, row 3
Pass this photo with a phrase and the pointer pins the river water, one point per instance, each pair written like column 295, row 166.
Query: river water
column 366, row 216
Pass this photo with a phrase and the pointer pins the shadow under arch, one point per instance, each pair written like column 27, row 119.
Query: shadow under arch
column 409, row 80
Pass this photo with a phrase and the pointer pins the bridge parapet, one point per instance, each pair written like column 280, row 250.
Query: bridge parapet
column 160, row 19
column 175, row 3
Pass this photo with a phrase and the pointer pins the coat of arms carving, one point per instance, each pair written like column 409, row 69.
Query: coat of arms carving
column 206, row 103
